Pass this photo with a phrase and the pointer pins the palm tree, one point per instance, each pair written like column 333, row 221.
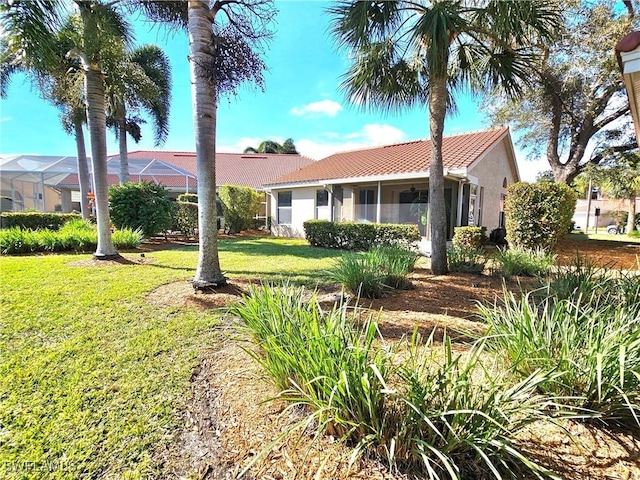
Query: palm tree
column 225, row 42
column 271, row 146
column 32, row 27
column 59, row 82
column 408, row 53
column 140, row 80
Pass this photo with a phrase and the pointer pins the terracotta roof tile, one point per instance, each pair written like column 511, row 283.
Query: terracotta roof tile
column 251, row 170
column 458, row 151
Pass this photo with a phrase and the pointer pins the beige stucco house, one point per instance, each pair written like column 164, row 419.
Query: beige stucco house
column 390, row 184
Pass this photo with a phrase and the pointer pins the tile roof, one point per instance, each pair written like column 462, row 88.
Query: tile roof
column 251, row 170
column 458, row 151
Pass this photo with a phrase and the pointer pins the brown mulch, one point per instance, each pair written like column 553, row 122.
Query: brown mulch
column 231, row 424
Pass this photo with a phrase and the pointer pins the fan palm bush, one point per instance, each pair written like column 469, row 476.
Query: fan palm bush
column 437, row 413
column 593, row 345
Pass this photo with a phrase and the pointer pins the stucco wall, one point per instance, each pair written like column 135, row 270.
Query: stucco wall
column 303, row 201
column 491, row 171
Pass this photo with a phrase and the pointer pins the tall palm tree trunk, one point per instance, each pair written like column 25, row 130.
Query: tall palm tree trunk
column 122, row 145
column 208, row 273
column 437, row 112
column 96, row 119
column 83, row 169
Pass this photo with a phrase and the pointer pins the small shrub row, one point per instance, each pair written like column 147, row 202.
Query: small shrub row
column 359, row 236
column 76, row 235
column 435, row 412
column 372, row 273
column 36, row 220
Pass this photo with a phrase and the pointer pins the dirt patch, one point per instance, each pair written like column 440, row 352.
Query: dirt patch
column 602, row 253
column 131, row 259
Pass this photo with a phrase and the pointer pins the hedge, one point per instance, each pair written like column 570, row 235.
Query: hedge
column 359, row 236
column 140, row 206
column 36, row 220
column 538, row 214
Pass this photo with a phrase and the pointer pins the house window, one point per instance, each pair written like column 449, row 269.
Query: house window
column 284, row 208
column 503, row 199
column 366, row 207
column 322, row 205
column 480, row 205
column 504, row 182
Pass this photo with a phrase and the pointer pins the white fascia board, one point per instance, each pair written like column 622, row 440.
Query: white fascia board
column 630, row 61
column 462, row 174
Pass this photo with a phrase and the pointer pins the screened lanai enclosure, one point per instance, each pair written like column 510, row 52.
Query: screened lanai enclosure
column 50, row 183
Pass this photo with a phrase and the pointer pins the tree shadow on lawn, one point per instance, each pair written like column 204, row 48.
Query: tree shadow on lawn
column 268, row 248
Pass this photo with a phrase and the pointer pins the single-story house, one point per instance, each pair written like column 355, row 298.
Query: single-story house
column 390, row 184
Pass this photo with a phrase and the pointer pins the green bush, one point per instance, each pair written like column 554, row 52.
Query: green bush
column 538, row 214
column 188, row 197
column 434, row 413
column 140, row 206
column 75, row 236
column 469, row 238
column 359, row 236
column 593, row 345
column 36, row 220
column 466, row 260
column 372, row 273
column 186, row 217
column 240, row 205
column 524, row 261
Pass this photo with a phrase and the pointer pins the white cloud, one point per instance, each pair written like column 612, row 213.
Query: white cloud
column 323, row 107
column 5, row 119
column 370, row 135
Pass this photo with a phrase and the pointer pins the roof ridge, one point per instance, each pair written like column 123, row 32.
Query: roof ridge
column 473, row 132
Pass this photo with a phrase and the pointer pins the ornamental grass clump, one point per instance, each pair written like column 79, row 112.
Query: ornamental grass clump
column 433, row 412
column 375, row 272
column 466, row 260
column 520, row 261
column 594, row 346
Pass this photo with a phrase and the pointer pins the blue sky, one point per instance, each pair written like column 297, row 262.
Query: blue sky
column 302, row 100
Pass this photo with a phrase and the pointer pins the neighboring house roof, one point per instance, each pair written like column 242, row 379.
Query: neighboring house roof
column 458, row 151
column 251, row 170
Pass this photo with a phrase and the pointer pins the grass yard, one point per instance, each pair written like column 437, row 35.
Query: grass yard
column 92, row 375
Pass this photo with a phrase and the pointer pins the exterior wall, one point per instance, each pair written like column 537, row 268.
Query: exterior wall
column 491, row 172
column 605, row 205
column 303, row 203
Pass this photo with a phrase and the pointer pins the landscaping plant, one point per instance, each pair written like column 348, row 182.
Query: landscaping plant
column 141, row 206
column 466, row 259
column 438, row 413
column 372, row 273
column 524, row 261
column 538, row 214
column 593, row 345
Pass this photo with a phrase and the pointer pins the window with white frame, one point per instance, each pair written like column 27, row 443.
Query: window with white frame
column 322, row 205
column 284, row 208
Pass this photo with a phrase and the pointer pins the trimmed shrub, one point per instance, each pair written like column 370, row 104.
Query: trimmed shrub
column 359, row 236
column 538, row 214
column 140, row 206
column 471, row 238
column 240, row 205
column 36, row 220
column 186, row 217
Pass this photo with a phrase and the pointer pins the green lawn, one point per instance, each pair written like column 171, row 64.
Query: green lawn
column 91, row 376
